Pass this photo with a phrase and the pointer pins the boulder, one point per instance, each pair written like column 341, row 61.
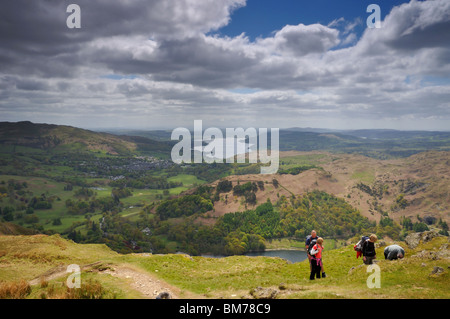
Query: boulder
column 381, row 243
column 264, row 293
column 164, row 295
column 282, row 286
column 413, row 240
column 437, row 271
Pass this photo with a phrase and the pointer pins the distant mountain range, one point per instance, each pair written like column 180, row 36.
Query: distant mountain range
column 379, row 143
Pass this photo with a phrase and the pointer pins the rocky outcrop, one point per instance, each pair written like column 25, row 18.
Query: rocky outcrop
column 164, row 295
column 413, row 240
column 442, row 253
column 437, row 271
column 263, row 293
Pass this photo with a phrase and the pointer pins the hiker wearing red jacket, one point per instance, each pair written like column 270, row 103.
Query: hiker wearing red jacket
column 316, row 259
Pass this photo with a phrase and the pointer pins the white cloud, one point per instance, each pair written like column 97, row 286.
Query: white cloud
column 169, row 67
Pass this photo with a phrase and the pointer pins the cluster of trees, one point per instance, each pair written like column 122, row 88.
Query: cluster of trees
column 247, row 190
column 328, row 215
column 241, row 232
column 41, row 202
column 263, row 221
column 209, row 173
column 377, row 190
column 296, row 170
column 12, row 185
column 82, row 207
column 183, row 206
column 422, row 224
column 224, row 186
column 82, row 192
column 145, row 182
column 121, row 193
column 7, row 213
column 203, row 198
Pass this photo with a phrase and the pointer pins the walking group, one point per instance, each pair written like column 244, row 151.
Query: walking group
column 314, row 248
column 365, row 248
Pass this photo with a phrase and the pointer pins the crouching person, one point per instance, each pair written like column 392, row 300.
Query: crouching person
column 394, row 252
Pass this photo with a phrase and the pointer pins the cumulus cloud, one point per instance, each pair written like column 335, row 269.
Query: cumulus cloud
column 301, row 39
column 160, row 60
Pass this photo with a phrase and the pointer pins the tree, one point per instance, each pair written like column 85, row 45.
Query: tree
column 275, row 183
column 420, row 227
column 224, row 186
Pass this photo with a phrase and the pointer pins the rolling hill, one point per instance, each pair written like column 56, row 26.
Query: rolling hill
column 418, row 185
column 67, row 138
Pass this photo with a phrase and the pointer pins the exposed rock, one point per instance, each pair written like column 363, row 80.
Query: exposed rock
column 426, row 254
column 442, row 253
column 354, row 268
column 282, row 286
column 414, row 239
column 437, row 271
column 164, row 295
column 381, row 243
column 264, row 293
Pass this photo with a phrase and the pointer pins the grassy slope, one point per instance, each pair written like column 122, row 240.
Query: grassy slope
column 27, row 257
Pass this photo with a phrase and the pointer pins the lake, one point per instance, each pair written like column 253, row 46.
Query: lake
column 290, row 255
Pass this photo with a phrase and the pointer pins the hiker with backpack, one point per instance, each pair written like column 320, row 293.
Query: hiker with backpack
column 368, row 250
column 316, row 259
column 311, row 240
column 358, row 246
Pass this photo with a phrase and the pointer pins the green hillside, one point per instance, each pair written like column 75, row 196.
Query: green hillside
column 27, row 136
column 40, row 262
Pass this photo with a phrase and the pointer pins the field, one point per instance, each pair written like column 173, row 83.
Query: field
column 132, row 205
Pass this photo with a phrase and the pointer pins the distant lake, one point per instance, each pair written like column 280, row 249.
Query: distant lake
column 294, row 256
column 235, row 145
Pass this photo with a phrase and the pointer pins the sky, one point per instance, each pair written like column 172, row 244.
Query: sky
column 161, row 64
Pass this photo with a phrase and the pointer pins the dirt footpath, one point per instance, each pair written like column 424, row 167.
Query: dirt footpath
column 146, row 284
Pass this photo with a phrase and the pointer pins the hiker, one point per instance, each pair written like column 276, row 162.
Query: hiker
column 309, row 239
column 368, row 250
column 316, row 259
column 310, row 242
column 394, row 252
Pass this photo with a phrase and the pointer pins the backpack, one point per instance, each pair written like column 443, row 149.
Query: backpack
column 358, row 246
column 311, row 245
